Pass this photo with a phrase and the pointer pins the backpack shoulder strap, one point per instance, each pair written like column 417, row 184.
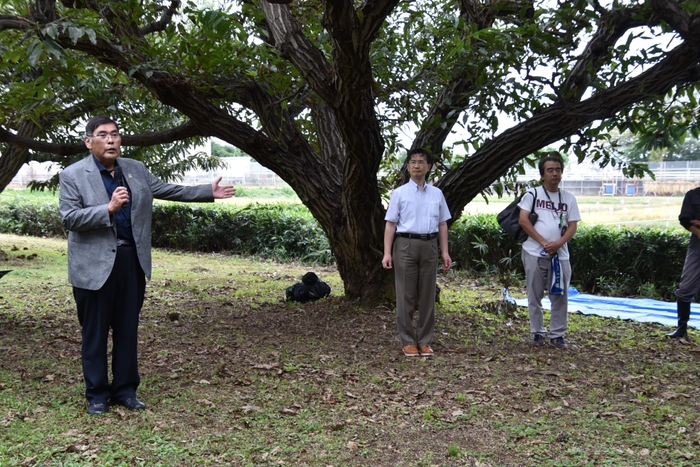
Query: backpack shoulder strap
column 534, row 199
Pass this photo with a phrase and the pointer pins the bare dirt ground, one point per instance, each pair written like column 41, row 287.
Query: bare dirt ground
column 246, row 381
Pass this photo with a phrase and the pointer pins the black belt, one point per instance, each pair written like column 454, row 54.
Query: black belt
column 429, row 236
column 122, row 242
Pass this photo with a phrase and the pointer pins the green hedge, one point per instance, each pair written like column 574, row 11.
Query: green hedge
column 278, row 231
column 605, row 260
column 36, row 218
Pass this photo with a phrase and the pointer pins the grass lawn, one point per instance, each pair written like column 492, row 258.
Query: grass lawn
column 233, row 376
column 634, row 211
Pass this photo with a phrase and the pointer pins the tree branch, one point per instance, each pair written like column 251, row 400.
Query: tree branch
column 165, row 19
column 687, row 26
column 13, row 22
column 374, row 14
column 14, row 157
column 295, row 47
column 455, row 96
column 612, row 26
column 42, row 12
column 483, row 14
column 187, row 130
column 680, row 67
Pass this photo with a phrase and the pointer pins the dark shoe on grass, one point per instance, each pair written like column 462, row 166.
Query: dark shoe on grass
column 132, row 403
column 558, row 343
column 680, row 332
column 97, row 408
column 538, row 341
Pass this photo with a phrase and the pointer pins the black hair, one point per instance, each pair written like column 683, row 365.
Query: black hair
column 97, row 121
column 428, row 157
column 551, row 156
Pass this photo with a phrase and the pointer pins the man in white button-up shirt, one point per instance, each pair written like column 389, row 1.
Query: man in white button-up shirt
column 416, row 227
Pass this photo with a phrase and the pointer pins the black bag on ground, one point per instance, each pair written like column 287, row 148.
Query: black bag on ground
column 509, row 218
column 310, row 288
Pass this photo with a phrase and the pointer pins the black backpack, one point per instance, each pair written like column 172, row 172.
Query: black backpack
column 310, row 288
column 509, row 218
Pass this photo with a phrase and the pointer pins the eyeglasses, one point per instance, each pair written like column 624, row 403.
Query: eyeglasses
column 104, row 135
column 416, row 162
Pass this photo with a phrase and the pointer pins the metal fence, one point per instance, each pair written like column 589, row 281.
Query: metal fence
column 672, row 178
column 252, row 174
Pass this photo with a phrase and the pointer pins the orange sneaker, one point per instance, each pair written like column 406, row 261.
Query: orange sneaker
column 425, row 350
column 411, row 351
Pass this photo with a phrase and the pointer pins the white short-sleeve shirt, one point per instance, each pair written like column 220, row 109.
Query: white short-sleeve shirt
column 417, row 210
column 555, row 210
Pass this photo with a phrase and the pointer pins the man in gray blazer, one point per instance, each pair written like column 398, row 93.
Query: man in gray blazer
column 106, row 205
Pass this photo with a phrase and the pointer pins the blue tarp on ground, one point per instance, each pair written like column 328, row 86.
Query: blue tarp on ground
column 644, row 310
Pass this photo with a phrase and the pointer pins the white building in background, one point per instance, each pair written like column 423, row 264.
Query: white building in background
column 236, row 170
column 587, row 178
column 38, row 171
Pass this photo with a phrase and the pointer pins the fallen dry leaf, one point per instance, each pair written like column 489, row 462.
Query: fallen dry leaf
column 251, row 408
column 673, row 395
column 612, row 414
column 266, row 366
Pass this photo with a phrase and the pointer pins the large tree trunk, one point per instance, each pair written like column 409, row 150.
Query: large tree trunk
column 333, row 167
column 14, row 157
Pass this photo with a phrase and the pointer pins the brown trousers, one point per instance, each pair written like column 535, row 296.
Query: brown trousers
column 415, row 264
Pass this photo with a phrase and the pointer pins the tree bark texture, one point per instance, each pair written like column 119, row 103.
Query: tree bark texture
column 335, row 172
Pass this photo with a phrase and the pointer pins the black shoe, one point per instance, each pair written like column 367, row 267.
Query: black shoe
column 558, row 343
column 538, row 340
column 683, row 317
column 97, row 408
column 132, row 403
column 680, row 332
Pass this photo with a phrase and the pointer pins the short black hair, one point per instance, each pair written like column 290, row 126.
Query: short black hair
column 428, row 157
column 551, row 156
column 97, row 121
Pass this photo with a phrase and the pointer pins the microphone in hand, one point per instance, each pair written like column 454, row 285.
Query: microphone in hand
column 119, row 176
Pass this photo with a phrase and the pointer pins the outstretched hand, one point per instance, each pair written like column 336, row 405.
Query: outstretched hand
column 222, row 191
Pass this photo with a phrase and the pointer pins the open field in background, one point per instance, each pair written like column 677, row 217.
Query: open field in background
column 632, row 211
column 232, row 376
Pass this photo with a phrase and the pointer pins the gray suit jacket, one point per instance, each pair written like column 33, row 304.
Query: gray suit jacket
column 92, row 233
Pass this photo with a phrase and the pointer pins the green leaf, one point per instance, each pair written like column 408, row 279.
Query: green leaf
column 75, row 34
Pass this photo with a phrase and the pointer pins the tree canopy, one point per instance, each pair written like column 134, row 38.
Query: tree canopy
column 321, row 91
column 225, row 150
column 634, row 149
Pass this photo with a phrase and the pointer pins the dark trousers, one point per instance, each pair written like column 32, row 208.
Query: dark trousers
column 690, row 277
column 117, row 306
